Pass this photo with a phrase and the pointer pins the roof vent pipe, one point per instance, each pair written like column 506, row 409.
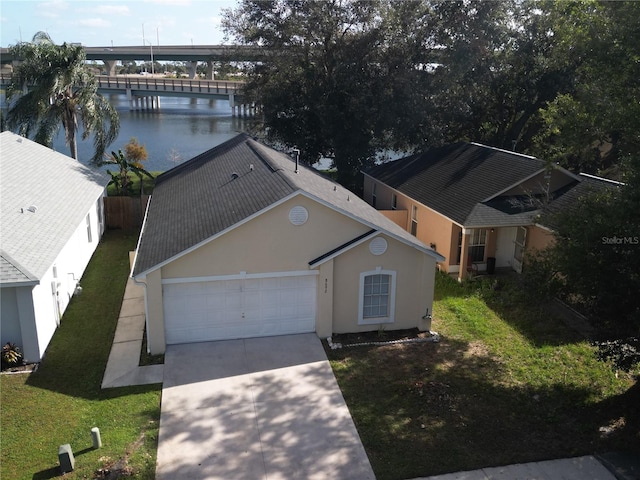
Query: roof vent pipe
column 297, row 152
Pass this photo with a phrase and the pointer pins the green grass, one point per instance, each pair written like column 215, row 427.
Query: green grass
column 62, row 401
column 508, row 383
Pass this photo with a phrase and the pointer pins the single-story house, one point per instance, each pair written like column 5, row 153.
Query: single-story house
column 241, row 241
column 52, row 220
column 479, row 206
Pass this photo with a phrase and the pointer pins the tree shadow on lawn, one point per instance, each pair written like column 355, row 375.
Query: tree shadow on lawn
column 507, row 298
column 428, row 409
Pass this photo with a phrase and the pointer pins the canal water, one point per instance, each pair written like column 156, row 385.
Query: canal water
column 181, row 129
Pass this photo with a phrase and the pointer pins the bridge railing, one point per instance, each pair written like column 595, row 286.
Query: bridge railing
column 122, row 82
column 169, row 84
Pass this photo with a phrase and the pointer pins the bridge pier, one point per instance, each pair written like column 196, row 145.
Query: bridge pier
column 210, row 71
column 110, row 66
column 147, row 102
column 191, row 66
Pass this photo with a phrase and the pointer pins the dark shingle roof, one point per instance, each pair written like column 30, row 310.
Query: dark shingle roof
column 571, row 198
column 453, row 179
column 228, row 184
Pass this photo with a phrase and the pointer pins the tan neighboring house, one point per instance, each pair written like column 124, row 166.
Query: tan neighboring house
column 242, row 242
column 478, row 206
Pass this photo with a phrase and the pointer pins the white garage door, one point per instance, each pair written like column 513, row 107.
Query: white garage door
column 239, row 308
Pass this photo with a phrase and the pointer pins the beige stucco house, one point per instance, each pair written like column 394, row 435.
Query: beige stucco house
column 241, row 241
column 479, row 206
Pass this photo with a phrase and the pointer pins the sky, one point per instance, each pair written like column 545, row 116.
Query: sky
column 102, row 23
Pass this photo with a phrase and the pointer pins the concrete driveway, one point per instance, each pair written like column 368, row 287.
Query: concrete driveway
column 260, row 408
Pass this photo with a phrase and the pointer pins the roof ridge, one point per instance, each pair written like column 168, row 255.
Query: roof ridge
column 601, row 179
column 512, row 152
column 255, row 147
column 218, row 149
column 252, row 144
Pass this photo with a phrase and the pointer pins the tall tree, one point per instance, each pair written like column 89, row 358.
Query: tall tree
column 52, row 87
column 323, row 89
column 595, row 257
column 596, row 126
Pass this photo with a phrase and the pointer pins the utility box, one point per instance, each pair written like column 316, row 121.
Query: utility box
column 66, row 459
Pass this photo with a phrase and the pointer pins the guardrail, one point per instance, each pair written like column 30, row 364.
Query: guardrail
column 163, row 84
column 124, row 82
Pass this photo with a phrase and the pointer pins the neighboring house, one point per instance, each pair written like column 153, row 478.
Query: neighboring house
column 479, row 206
column 242, row 242
column 51, row 222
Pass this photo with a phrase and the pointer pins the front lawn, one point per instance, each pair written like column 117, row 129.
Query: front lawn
column 508, row 383
column 62, row 400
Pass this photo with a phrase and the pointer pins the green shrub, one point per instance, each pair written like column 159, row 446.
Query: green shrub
column 623, row 353
column 11, row 355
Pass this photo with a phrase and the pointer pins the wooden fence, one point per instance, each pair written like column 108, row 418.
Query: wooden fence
column 126, row 213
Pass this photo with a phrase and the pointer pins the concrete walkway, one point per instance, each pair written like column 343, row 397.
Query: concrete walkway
column 579, row 468
column 123, row 365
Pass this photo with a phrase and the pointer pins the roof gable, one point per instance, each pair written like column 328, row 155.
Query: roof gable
column 61, row 190
column 230, row 184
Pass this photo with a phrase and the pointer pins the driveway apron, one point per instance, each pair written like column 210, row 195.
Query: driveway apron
column 260, row 408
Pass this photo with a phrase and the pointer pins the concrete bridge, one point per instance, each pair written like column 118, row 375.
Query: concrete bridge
column 144, row 91
column 210, row 54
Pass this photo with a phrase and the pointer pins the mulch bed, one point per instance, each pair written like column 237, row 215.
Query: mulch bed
column 24, row 368
column 378, row 336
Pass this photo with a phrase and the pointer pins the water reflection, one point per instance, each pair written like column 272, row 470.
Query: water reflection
column 181, row 129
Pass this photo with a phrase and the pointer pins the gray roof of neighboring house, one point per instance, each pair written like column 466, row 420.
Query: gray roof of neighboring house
column 587, row 185
column 453, row 180
column 62, row 190
column 226, row 185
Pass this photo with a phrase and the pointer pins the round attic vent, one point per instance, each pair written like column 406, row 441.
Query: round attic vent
column 298, row 215
column 378, row 246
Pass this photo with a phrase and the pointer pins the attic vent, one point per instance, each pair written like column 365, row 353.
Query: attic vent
column 298, row 215
column 378, row 246
column 234, row 175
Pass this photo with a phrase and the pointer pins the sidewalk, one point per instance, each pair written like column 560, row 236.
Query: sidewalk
column 579, row 468
column 123, row 365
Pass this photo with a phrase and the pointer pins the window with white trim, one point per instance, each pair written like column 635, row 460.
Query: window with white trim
column 477, row 243
column 377, row 297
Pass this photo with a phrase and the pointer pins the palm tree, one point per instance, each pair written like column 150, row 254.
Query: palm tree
column 53, row 87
